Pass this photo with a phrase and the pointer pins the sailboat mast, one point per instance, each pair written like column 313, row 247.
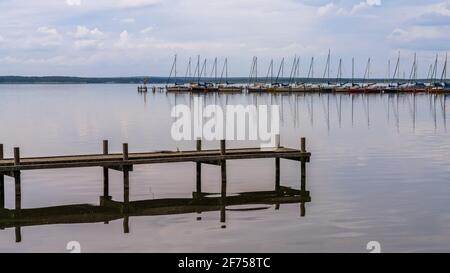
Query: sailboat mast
column 198, row 69
column 188, row 71
column 353, row 71
column 444, row 70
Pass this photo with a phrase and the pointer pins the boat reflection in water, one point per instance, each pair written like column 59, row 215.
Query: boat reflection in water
column 110, row 210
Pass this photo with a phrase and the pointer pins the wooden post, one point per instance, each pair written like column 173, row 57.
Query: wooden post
column 126, row 224
column 2, row 183
column 302, row 209
column 303, row 166
column 277, row 174
column 223, row 167
column 223, row 219
column 18, row 192
column 223, row 150
column 199, row 170
column 16, row 156
column 18, row 234
column 105, row 172
column 126, row 179
column 277, row 164
column 17, row 182
column 125, row 151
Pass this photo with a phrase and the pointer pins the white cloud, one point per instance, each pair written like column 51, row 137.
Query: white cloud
column 46, row 36
column 361, row 6
column 415, row 33
column 73, row 2
column 128, row 20
column 323, row 10
column 83, row 32
column 88, row 43
column 137, row 3
column 147, row 30
column 47, row 31
column 123, row 40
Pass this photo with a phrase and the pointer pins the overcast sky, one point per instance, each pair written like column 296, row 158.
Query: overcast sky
column 140, row 37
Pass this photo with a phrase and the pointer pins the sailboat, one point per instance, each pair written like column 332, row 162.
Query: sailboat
column 253, row 85
column 327, row 88
column 176, row 87
column 227, row 87
column 442, row 86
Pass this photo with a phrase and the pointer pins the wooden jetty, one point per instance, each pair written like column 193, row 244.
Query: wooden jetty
column 124, row 162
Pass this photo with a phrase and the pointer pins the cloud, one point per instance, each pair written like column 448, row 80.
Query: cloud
column 147, row 30
column 88, row 44
column 128, row 20
column 124, row 40
column 83, row 32
column 323, row 10
column 95, row 35
column 137, row 3
column 419, row 33
column 360, row 7
column 332, row 8
column 46, row 37
column 73, row 2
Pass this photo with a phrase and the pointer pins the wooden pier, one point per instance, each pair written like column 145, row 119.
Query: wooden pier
column 124, row 162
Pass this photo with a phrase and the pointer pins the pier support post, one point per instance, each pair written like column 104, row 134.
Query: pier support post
column 303, row 166
column 2, row 183
column 303, row 178
column 105, row 173
column 199, row 170
column 126, row 224
column 126, row 179
column 18, row 232
column 277, row 165
column 223, row 167
column 17, row 182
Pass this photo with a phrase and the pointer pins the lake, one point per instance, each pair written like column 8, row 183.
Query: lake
column 380, row 171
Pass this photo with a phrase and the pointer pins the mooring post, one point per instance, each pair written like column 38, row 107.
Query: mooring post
column 105, row 172
column 2, row 183
column 126, row 179
column 18, row 193
column 303, row 166
column 199, row 170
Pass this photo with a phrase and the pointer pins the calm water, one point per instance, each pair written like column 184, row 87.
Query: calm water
column 380, row 171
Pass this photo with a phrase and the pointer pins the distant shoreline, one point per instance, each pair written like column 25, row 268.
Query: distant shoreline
column 150, row 80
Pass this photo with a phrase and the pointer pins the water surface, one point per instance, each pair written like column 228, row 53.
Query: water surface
column 380, row 171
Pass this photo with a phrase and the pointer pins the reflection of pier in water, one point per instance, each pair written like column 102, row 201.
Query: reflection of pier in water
column 334, row 106
column 110, row 210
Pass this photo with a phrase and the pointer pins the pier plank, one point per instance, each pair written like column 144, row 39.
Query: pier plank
column 117, row 159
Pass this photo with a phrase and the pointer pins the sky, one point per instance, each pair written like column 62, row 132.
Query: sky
column 140, row 37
